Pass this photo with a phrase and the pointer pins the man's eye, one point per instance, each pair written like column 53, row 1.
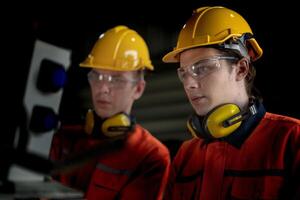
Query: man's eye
column 200, row 69
column 183, row 74
column 203, row 69
column 117, row 79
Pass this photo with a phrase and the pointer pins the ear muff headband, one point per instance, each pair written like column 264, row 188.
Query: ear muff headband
column 191, row 128
column 89, row 122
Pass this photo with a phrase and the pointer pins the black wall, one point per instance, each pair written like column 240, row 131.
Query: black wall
column 76, row 26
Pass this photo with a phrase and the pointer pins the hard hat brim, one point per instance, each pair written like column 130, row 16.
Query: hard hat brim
column 173, row 56
column 148, row 67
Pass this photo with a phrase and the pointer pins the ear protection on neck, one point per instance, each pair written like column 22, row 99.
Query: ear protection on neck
column 219, row 122
column 113, row 126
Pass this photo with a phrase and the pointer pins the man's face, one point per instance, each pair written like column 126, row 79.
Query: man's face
column 114, row 91
column 208, row 79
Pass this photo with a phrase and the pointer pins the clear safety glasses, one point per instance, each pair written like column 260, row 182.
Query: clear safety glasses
column 114, row 81
column 202, row 68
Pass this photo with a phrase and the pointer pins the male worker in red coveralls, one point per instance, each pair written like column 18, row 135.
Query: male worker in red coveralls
column 239, row 151
column 136, row 168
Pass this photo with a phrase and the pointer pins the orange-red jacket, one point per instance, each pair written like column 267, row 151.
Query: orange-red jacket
column 266, row 165
column 137, row 169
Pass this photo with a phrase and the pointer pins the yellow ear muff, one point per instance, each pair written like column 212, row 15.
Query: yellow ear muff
column 116, row 125
column 110, row 127
column 89, row 122
column 214, row 123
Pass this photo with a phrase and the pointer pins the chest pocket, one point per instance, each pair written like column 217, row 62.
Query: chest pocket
column 107, row 182
column 257, row 188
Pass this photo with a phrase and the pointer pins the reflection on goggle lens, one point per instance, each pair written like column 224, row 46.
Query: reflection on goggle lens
column 113, row 80
column 202, row 68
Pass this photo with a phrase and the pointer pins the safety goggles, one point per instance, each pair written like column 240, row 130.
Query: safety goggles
column 202, row 68
column 114, row 81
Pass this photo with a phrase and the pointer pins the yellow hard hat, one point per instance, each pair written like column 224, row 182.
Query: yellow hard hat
column 119, row 49
column 215, row 26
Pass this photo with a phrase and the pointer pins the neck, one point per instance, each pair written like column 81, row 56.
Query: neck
column 242, row 100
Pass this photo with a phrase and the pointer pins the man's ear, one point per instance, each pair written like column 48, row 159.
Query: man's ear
column 140, row 87
column 242, row 69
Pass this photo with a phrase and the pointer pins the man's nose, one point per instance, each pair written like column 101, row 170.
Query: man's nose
column 103, row 86
column 190, row 82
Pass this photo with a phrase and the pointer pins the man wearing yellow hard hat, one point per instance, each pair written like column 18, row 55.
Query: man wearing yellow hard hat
column 135, row 167
column 238, row 150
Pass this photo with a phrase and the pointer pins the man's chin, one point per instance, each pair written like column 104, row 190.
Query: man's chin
column 104, row 114
column 202, row 112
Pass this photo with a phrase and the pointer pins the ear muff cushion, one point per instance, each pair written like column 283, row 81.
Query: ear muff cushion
column 195, row 127
column 213, row 123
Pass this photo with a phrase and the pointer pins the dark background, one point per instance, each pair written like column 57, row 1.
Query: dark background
column 76, row 26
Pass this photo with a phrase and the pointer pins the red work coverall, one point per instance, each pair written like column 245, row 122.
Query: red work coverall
column 138, row 169
column 265, row 166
